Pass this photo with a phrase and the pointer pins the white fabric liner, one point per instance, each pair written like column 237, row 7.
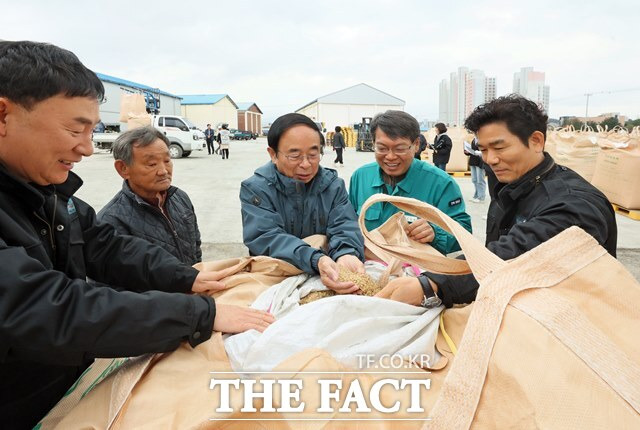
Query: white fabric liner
column 346, row 326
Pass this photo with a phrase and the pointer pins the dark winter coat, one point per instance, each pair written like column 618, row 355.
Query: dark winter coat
column 177, row 232
column 442, row 149
column 278, row 212
column 544, row 202
column 53, row 323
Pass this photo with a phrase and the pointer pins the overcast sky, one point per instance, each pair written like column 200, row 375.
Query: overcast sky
column 284, row 54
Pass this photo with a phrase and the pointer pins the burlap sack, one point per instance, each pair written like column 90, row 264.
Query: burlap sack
column 459, row 162
column 137, row 121
column 550, row 342
column 132, row 105
column 576, row 150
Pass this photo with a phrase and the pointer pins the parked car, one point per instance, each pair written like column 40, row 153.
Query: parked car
column 184, row 137
column 241, row 135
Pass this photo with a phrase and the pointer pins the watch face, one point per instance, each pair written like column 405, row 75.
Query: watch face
column 431, row 302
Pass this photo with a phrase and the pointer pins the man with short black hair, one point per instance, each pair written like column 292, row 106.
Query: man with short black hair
column 148, row 206
column 533, row 198
column 53, row 323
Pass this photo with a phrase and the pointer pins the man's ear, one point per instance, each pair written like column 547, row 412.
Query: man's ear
column 5, row 107
column 122, row 169
column 536, row 141
column 272, row 154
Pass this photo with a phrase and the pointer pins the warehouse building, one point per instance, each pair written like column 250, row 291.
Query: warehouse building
column 249, row 117
column 158, row 101
column 347, row 107
column 214, row 109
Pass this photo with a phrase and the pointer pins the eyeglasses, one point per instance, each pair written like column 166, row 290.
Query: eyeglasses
column 400, row 150
column 297, row 158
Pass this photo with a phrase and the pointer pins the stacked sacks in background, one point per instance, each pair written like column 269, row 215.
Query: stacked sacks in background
column 576, row 150
column 617, row 170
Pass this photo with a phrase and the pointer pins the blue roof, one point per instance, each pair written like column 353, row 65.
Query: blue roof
column 202, row 99
column 132, row 84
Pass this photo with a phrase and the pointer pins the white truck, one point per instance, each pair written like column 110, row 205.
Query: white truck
column 184, row 137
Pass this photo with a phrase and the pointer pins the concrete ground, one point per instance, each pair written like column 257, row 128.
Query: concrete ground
column 214, row 184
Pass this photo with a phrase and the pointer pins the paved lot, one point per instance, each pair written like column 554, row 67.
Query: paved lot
column 213, row 185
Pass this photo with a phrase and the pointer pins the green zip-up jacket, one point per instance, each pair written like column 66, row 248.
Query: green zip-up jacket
column 422, row 182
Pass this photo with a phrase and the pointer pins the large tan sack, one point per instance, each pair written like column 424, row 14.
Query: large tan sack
column 617, row 175
column 550, row 342
column 459, row 162
column 136, row 121
column 132, row 105
column 576, row 150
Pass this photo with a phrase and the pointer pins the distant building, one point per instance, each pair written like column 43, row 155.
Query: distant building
column 466, row 90
column 165, row 103
column 530, row 84
column 347, row 107
column 214, row 109
column 622, row 119
column 249, row 117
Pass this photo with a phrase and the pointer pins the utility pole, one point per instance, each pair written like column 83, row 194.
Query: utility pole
column 586, row 112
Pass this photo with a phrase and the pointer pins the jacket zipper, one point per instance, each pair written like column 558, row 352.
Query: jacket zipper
column 53, row 221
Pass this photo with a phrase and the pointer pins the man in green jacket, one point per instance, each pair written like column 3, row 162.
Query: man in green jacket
column 397, row 173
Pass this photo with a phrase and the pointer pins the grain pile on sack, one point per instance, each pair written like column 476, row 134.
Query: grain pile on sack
column 368, row 286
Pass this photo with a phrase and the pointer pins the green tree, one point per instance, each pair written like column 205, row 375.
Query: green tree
column 610, row 122
column 632, row 123
column 576, row 123
column 592, row 124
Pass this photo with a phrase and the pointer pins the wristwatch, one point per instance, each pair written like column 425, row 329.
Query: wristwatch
column 429, row 299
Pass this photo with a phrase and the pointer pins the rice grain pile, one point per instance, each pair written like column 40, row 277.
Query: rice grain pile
column 367, row 286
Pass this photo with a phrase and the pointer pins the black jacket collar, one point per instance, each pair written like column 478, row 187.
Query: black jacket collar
column 527, row 182
column 34, row 195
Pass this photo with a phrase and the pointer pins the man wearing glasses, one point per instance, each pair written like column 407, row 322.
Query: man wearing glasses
column 293, row 197
column 396, row 172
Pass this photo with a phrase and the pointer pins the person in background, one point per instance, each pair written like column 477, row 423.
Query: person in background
column 148, row 206
column 293, row 197
column 338, row 146
column 422, row 145
column 53, row 322
column 209, row 135
column 477, row 171
column 224, row 138
column 396, row 172
column 441, row 147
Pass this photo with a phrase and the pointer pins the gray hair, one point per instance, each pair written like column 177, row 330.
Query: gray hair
column 395, row 124
column 139, row 137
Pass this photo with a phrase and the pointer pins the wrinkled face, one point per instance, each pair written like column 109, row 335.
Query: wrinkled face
column 298, row 155
column 505, row 153
column 150, row 171
column 394, row 156
column 41, row 144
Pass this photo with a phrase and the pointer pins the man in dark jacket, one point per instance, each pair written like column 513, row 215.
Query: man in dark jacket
column 533, row 198
column 338, row 146
column 52, row 322
column 148, row 206
column 293, row 197
column 209, row 136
